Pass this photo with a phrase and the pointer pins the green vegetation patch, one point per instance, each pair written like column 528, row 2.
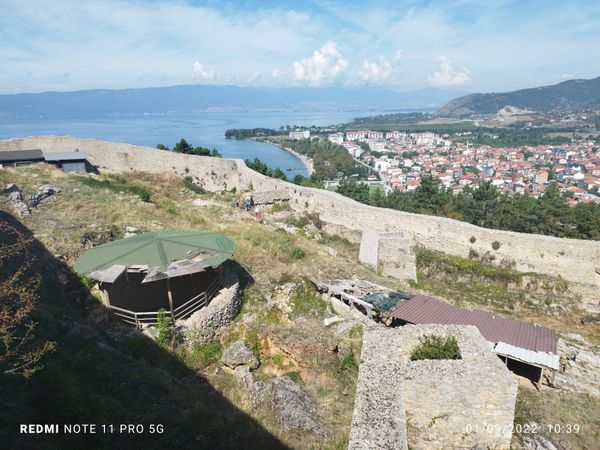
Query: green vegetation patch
column 188, row 183
column 437, row 262
column 260, row 167
column 283, row 206
column 436, row 347
column 117, row 183
column 308, row 303
column 164, row 328
column 201, row 356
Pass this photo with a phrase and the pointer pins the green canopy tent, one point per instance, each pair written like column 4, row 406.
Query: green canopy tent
column 157, row 256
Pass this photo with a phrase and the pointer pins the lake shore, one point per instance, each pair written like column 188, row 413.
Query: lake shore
column 306, row 161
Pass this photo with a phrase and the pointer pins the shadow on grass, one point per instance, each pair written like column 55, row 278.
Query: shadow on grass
column 105, row 373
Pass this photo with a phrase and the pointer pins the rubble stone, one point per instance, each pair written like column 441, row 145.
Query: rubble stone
column 238, row 354
column 294, row 408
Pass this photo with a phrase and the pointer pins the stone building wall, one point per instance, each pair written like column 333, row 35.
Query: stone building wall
column 379, row 417
column 391, row 254
column 432, row 404
column 574, row 260
column 206, row 324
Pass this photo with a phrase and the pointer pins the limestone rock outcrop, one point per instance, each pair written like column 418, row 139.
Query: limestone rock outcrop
column 238, row 354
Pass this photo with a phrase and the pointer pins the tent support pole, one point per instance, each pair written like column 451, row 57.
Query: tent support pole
column 170, row 295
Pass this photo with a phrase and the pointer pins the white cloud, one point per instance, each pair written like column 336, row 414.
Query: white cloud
column 382, row 71
column 324, row 66
column 275, row 73
column 446, row 75
column 201, row 73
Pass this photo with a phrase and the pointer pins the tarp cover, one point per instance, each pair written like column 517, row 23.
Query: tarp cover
column 158, row 249
column 385, row 302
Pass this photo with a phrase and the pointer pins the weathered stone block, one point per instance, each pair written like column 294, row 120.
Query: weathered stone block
column 433, row 404
column 391, row 254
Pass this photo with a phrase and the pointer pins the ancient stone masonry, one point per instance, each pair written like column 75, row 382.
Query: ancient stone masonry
column 390, row 254
column 572, row 259
column 205, row 325
column 432, row 404
column 269, row 197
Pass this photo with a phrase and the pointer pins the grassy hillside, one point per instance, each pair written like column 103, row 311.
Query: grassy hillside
column 99, row 371
column 103, row 372
column 566, row 96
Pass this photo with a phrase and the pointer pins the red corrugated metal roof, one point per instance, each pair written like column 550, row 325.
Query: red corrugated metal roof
column 423, row 309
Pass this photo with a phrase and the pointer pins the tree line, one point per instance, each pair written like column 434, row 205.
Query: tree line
column 247, row 133
column 184, row 146
column 486, row 207
column 329, row 159
column 261, row 167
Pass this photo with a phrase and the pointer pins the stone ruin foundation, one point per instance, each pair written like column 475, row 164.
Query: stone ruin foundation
column 390, row 254
column 431, row 404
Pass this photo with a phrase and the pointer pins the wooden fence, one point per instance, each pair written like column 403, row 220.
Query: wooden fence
column 182, row 311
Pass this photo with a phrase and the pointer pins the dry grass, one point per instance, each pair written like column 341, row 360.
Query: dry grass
column 558, row 412
column 262, row 249
column 264, row 252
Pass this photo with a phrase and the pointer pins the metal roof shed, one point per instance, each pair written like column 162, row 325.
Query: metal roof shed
column 521, row 341
column 67, row 161
column 17, row 158
column 175, row 270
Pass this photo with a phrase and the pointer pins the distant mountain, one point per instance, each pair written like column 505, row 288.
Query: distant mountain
column 569, row 95
column 190, row 98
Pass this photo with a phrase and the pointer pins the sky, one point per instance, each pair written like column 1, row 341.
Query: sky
column 472, row 45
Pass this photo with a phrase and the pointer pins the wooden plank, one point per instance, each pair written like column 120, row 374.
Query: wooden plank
column 170, row 295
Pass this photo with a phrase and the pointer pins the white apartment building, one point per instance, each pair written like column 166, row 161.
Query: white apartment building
column 294, row 135
column 337, row 138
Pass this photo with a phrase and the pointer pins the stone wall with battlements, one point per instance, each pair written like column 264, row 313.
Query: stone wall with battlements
column 574, row 260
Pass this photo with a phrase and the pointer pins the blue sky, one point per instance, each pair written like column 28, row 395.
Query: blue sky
column 405, row 45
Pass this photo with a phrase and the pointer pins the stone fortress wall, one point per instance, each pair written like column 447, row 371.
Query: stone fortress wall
column 574, row 260
column 433, row 404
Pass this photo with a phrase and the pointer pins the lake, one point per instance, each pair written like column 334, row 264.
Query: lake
column 206, row 129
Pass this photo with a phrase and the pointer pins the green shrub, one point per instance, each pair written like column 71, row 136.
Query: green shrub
column 299, row 222
column 338, row 242
column 168, row 206
column 296, row 253
column 356, row 331
column 164, row 328
column 277, row 207
column 348, row 364
column 141, row 192
column 253, row 342
column 436, row 263
column 307, row 302
column 436, row 347
column 278, row 360
column 87, row 281
column 294, row 375
column 348, row 369
column 284, row 278
column 117, row 183
column 188, row 183
column 201, row 356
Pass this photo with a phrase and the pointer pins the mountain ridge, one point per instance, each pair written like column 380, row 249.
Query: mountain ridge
column 570, row 95
column 194, row 98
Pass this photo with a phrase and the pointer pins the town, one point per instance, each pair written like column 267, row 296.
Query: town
column 402, row 159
